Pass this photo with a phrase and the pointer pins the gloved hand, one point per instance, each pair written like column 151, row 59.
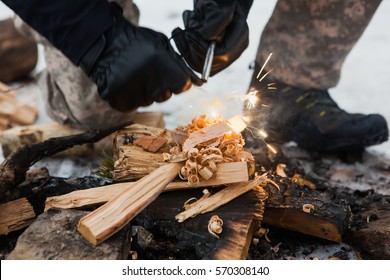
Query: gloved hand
column 222, row 21
column 135, row 66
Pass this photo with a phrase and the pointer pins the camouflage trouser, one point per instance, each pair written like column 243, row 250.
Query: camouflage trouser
column 70, row 96
column 311, row 39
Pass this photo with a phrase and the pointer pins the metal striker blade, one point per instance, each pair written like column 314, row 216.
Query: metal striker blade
column 208, row 62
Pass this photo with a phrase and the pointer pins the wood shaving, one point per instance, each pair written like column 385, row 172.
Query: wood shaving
column 297, row 178
column 201, row 161
column 189, row 203
column 215, row 226
column 134, row 255
column 280, row 170
column 308, row 208
column 262, row 232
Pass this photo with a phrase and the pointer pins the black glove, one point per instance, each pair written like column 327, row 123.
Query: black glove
column 222, row 21
column 135, row 66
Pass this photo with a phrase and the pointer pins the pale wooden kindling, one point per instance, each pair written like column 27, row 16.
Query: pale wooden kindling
column 100, row 224
column 232, row 172
column 220, row 198
column 206, row 134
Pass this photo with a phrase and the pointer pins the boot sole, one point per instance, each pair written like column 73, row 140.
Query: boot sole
column 328, row 146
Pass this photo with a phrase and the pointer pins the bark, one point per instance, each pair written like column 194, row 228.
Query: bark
column 326, row 216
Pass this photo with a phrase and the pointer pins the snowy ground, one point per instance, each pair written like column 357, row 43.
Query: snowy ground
column 364, row 86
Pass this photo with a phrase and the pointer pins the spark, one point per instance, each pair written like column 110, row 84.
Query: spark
column 272, row 149
column 265, row 75
column 259, row 132
column 251, row 99
column 271, row 86
column 262, row 133
column 262, row 68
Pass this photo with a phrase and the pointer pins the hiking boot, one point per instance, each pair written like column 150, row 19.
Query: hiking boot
column 312, row 119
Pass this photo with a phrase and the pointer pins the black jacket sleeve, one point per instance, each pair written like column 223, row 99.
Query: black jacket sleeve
column 70, row 25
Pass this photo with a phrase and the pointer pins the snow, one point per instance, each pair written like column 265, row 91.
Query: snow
column 364, row 85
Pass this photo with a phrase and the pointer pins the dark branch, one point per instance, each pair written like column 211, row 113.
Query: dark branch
column 14, row 167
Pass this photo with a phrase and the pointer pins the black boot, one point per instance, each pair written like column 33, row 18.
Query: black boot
column 311, row 118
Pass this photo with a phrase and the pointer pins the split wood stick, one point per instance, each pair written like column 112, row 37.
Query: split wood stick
column 100, row 224
column 206, row 134
column 227, row 173
column 15, row 215
column 220, row 198
column 232, row 172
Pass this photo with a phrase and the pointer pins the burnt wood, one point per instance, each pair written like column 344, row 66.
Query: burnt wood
column 328, row 219
column 241, row 217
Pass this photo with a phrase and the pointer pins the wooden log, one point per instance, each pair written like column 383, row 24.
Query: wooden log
column 134, row 163
column 374, row 238
column 16, row 137
column 241, row 218
column 112, row 216
column 126, row 136
column 16, row 214
column 233, row 172
column 54, row 236
column 325, row 216
column 15, row 110
column 18, row 54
